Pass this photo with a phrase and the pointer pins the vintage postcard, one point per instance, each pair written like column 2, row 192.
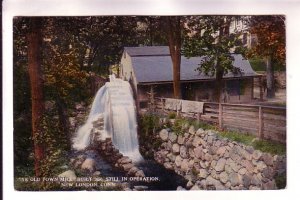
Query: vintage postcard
column 148, row 102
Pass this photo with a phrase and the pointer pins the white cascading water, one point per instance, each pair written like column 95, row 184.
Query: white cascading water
column 114, row 101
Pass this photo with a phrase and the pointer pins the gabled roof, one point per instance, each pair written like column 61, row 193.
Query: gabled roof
column 153, row 64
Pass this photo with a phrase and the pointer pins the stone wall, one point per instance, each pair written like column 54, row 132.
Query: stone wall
column 209, row 161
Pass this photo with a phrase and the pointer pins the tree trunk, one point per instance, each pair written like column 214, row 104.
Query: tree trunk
column 218, row 83
column 36, row 83
column 174, row 39
column 270, row 78
column 63, row 119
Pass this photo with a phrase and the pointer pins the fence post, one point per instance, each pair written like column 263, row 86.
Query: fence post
column 220, row 116
column 260, row 122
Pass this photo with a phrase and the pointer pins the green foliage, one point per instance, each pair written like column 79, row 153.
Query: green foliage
column 150, row 124
column 271, row 147
column 238, row 137
column 172, row 115
column 258, row 64
column 281, row 181
column 55, row 143
column 209, row 37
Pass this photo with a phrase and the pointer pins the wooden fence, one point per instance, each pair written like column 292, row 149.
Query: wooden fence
column 265, row 122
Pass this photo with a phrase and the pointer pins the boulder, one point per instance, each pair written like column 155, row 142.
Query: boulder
column 172, row 137
column 267, row 158
column 140, row 173
column 183, row 152
column 257, row 154
column 180, row 188
column 89, row 164
column 175, row 148
column 248, row 165
column 246, row 180
column 235, row 179
column 178, row 161
column 70, row 175
column 127, row 166
column 223, row 177
column 199, row 131
column 203, row 173
column 242, row 171
column 199, row 152
column 197, row 141
column 185, row 165
column 168, row 165
column 270, row 185
column 180, row 140
column 195, row 187
column 192, row 130
column 163, row 134
column 221, row 151
column 220, row 165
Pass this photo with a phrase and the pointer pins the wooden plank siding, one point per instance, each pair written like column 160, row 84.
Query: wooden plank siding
column 265, row 122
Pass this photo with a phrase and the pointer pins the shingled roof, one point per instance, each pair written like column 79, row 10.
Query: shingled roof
column 153, row 64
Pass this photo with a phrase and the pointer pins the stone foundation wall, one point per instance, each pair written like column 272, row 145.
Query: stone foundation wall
column 209, row 161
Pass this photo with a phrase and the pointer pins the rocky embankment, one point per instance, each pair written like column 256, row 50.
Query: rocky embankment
column 209, row 161
column 101, row 156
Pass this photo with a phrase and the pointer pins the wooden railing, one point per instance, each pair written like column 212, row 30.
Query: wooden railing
column 265, row 122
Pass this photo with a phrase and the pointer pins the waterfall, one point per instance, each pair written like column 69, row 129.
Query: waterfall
column 114, row 102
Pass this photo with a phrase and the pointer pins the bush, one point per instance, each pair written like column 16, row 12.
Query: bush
column 172, row 115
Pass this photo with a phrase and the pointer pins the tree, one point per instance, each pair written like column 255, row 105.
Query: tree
column 270, row 32
column 209, row 36
column 34, row 39
column 173, row 30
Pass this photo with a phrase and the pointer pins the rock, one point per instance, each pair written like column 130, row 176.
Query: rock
column 220, row 165
column 180, row 140
column 195, row 187
column 211, row 181
column 235, row 179
column 171, row 157
column 189, row 185
column 233, row 165
column 180, row 188
column 267, row 158
column 212, row 150
column 172, row 137
column 97, row 173
column 199, row 131
column 250, row 149
column 175, row 148
column 210, row 139
column 228, row 169
column 248, row 165
column 140, row 187
column 124, row 160
column 246, row 180
column 178, row 161
column 223, row 177
column 217, row 143
column 213, row 163
column 270, row 185
column 183, row 152
column 191, row 153
column 260, row 166
column 257, row 154
column 192, row 130
column 202, row 164
column 185, row 165
column 163, row 134
column 189, row 142
column 268, row 172
column 140, row 173
column 255, row 181
column 127, row 166
column 221, row 151
column 199, row 152
column 89, row 164
column 228, row 185
column 133, row 170
column 197, row 141
column 203, row 173
column 70, row 175
column 207, row 157
column 168, row 165
column 191, row 163
column 254, row 188
column 242, row 171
